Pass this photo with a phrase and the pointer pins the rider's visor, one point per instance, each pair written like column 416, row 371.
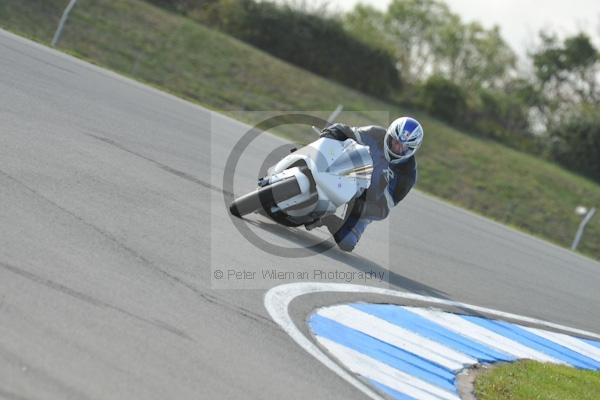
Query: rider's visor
column 396, row 147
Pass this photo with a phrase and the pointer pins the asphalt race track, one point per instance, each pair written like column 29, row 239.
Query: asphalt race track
column 113, row 225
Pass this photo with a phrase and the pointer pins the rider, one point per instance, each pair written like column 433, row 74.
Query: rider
column 394, row 174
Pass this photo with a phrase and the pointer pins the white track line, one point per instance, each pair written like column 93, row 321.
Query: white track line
column 276, row 303
column 398, row 337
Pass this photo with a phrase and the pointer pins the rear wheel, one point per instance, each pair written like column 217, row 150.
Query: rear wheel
column 265, row 197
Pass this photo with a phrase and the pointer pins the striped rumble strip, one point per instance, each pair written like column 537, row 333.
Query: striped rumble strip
column 416, row 353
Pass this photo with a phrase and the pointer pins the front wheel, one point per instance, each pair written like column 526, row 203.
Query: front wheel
column 265, row 197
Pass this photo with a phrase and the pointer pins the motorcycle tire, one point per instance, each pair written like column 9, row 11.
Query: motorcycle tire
column 265, row 197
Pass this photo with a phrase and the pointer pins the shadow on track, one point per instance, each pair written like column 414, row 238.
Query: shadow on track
column 306, row 239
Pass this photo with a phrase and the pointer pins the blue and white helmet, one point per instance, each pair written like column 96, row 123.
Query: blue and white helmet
column 409, row 132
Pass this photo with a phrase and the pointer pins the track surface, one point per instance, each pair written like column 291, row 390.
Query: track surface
column 112, row 219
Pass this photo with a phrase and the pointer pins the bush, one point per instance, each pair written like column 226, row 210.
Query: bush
column 443, row 99
column 499, row 115
column 316, row 43
column 182, row 6
column 502, row 116
column 576, row 143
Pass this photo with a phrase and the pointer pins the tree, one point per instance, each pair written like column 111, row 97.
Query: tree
column 414, row 28
column 427, row 39
column 482, row 58
column 576, row 143
column 461, row 72
column 567, row 74
column 368, row 24
column 504, row 114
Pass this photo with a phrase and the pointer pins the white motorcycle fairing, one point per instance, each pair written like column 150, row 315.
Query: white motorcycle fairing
column 339, row 172
column 310, row 183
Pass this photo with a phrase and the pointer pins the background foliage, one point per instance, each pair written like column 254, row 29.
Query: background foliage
column 420, row 54
column 314, row 42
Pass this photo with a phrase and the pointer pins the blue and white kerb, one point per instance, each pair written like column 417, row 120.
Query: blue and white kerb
column 416, row 353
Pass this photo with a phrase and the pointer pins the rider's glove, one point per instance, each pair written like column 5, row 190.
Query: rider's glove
column 333, row 134
column 339, row 132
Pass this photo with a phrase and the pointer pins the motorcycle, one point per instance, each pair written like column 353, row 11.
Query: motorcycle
column 310, row 183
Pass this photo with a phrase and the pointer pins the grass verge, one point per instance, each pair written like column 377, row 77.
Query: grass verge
column 183, row 57
column 530, row 380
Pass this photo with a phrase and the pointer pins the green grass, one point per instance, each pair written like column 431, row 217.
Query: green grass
column 202, row 65
column 529, row 380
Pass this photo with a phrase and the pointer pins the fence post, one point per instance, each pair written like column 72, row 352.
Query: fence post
column 334, row 114
column 330, row 119
column 582, row 225
column 62, row 22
